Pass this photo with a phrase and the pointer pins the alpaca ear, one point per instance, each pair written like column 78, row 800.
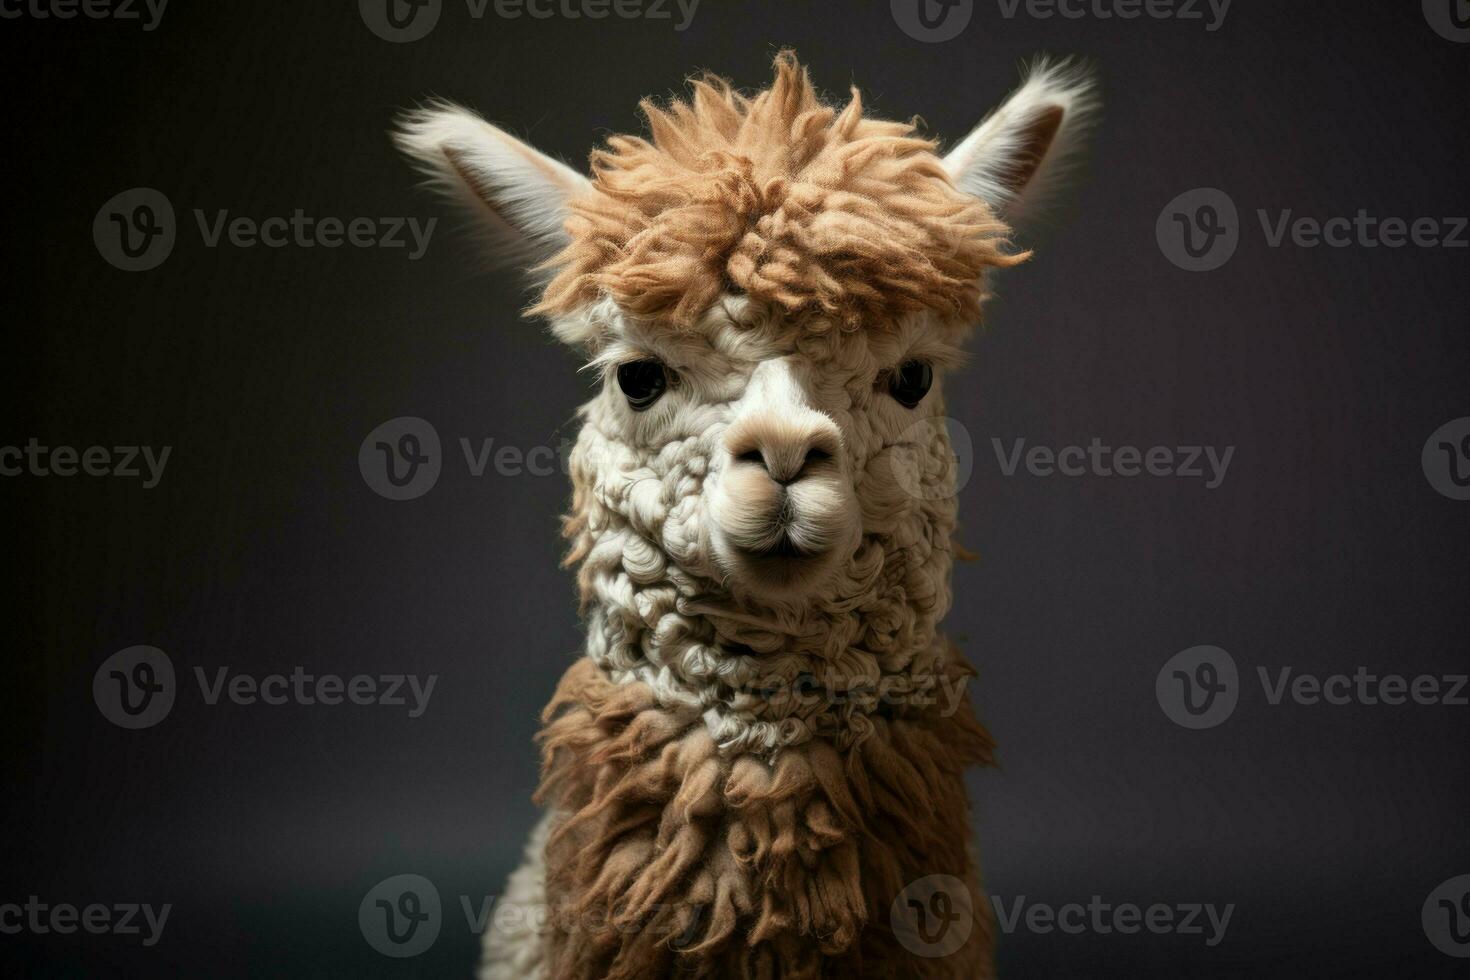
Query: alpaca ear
column 1016, row 159
column 518, row 194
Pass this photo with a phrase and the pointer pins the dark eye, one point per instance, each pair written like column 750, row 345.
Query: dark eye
column 643, row 382
column 910, row 383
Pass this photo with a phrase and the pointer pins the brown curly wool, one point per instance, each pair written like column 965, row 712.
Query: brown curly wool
column 781, row 197
column 671, row 859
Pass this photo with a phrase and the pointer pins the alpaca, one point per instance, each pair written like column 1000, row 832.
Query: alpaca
column 764, row 745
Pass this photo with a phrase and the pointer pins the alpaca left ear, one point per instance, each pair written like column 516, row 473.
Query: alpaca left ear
column 518, row 194
column 1016, row 159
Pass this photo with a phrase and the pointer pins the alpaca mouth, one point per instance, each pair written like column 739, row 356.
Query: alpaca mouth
column 785, row 561
column 783, row 548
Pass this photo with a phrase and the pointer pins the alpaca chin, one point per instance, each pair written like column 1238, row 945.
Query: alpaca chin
column 782, row 544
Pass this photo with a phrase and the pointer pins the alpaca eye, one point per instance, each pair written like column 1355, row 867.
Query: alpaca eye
column 910, row 383
column 643, row 382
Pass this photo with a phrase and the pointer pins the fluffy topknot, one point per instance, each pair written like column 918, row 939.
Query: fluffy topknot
column 783, row 198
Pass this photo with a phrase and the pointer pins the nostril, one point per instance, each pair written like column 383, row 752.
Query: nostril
column 753, row 456
column 787, row 467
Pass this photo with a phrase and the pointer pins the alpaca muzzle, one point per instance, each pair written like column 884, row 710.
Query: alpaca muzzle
column 783, row 503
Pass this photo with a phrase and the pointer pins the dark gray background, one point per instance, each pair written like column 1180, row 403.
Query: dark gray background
column 263, row 548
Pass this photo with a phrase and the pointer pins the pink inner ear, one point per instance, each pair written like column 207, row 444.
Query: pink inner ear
column 1033, row 142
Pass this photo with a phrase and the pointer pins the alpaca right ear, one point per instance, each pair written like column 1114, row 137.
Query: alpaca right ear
column 1016, row 159
column 518, row 194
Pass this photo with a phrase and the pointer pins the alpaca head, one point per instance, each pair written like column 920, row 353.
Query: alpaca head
column 771, row 291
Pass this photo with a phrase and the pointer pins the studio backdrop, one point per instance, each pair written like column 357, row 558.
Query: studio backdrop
column 1212, row 450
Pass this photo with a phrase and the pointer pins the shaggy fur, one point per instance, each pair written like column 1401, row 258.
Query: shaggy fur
column 672, row 858
column 765, row 742
column 783, row 198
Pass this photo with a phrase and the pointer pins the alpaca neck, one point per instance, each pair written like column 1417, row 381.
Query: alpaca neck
column 764, row 678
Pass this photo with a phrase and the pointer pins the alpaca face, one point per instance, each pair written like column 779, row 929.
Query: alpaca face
column 780, row 448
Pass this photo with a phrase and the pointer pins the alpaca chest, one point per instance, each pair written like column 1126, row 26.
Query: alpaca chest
column 666, row 857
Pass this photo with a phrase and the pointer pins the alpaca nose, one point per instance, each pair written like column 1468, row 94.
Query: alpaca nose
column 788, row 449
